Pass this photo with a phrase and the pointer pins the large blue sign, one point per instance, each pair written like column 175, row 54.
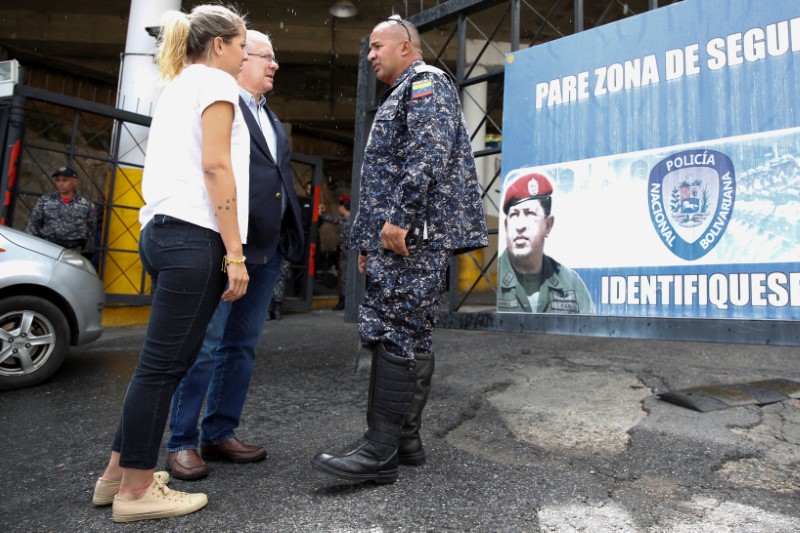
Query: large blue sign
column 672, row 143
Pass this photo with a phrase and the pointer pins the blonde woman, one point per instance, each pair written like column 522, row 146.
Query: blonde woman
column 194, row 221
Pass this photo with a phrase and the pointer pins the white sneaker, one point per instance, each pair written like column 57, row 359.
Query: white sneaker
column 158, row 502
column 105, row 490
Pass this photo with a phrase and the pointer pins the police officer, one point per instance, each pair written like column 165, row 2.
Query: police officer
column 342, row 223
column 531, row 281
column 418, row 183
column 64, row 217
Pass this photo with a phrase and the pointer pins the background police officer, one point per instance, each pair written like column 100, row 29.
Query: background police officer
column 64, row 217
column 418, row 174
column 531, row 281
column 342, row 223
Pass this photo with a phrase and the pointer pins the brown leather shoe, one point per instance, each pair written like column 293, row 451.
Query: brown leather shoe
column 187, row 465
column 234, row 451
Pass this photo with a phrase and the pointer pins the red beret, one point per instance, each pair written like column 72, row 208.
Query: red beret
column 527, row 187
column 344, row 198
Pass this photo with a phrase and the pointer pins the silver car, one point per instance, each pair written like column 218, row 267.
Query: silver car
column 50, row 298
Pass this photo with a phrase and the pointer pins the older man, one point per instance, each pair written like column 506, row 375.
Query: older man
column 221, row 374
column 531, row 281
column 420, row 203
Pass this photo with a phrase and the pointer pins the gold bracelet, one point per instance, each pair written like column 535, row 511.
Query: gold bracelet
column 227, row 261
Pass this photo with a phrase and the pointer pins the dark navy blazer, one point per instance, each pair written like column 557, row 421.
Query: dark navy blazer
column 266, row 230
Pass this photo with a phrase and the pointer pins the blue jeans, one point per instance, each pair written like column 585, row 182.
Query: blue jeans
column 184, row 262
column 223, row 368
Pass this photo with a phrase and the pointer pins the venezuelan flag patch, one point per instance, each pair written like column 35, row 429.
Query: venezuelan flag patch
column 421, row 88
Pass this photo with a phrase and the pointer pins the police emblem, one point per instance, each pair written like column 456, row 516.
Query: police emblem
column 691, row 196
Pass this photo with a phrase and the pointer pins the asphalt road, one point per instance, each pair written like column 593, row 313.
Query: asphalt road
column 524, row 433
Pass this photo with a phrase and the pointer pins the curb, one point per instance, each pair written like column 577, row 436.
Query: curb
column 120, row 316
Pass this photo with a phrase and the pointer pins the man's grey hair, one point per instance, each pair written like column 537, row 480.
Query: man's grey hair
column 253, row 35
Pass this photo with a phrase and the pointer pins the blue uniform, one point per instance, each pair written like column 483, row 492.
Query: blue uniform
column 343, row 226
column 418, row 171
column 70, row 224
column 284, row 277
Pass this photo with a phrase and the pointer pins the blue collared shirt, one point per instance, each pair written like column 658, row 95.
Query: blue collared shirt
column 260, row 113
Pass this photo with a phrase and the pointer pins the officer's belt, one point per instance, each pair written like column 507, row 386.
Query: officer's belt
column 75, row 243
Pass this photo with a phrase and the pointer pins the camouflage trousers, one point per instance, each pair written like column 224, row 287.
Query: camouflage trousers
column 284, row 278
column 343, row 252
column 401, row 303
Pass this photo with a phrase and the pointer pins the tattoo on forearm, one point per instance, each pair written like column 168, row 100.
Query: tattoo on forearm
column 229, row 202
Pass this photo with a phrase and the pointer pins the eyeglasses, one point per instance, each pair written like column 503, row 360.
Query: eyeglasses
column 397, row 19
column 269, row 58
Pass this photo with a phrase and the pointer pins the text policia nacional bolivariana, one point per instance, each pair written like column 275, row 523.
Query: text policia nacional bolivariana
column 720, row 218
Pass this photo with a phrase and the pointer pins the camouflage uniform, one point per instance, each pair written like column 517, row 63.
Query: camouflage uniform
column 562, row 290
column 284, row 277
column 418, row 170
column 70, row 224
column 343, row 225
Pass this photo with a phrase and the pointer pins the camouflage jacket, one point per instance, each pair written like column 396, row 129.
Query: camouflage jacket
column 418, row 167
column 70, row 224
column 342, row 225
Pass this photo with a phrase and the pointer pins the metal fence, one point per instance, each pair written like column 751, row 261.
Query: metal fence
column 461, row 37
column 44, row 130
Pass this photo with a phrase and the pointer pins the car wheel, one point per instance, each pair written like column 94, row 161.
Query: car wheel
column 34, row 338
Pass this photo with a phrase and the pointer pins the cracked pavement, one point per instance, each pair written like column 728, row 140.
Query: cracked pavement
column 523, row 432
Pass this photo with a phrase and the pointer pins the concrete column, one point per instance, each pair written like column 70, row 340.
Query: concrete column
column 139, row 75
column 474, row 102
column 138, row 89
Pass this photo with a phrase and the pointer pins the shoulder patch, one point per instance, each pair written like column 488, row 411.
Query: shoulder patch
column 420, row 89
column 428, row 68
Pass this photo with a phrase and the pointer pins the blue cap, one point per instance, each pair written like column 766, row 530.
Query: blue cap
column 65, row 171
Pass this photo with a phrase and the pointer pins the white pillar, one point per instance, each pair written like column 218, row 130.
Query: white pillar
column 137, row 92
column 475, row 102
column 139, row 74
column 474, row 105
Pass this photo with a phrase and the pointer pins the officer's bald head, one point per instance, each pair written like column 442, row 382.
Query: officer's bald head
column 401, row 30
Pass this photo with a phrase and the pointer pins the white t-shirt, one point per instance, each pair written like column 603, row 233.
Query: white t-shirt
column 172, row 183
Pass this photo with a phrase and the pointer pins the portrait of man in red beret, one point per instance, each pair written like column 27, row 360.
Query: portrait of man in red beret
column 529, row 280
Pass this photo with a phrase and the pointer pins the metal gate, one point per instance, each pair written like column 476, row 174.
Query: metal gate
column 458, row 36
column 43, row 130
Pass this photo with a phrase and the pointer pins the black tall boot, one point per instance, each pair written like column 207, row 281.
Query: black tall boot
column 411, row 451
column 374, row 457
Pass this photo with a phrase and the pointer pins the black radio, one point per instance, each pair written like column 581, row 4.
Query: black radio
column 414, row 237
